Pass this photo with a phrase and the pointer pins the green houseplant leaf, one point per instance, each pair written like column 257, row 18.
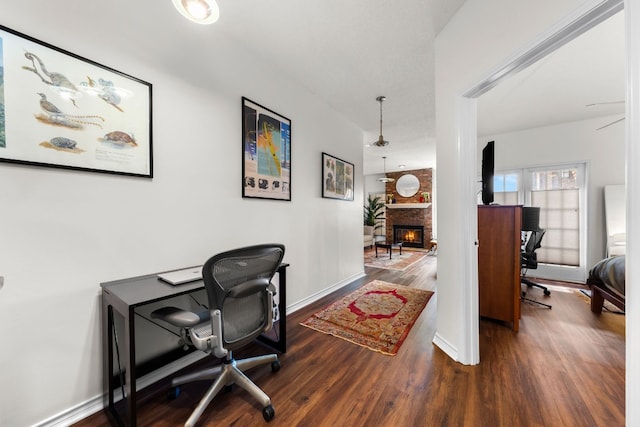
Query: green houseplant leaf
column 373, row 211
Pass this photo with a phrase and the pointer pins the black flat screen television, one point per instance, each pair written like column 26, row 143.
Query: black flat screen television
column 487, row 173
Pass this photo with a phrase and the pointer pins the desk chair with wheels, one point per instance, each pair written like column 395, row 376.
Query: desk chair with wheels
column 529, row 260
column 240, row 296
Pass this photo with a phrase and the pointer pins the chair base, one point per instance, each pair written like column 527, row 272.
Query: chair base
column 534, row 301
column 530, row 284
column 227, row 374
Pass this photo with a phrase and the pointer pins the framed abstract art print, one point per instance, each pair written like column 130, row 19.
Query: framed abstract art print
column 266, row 153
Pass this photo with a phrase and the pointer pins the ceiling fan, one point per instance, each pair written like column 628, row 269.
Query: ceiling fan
column 386, row 179
column 607, row 103
column 381, row 141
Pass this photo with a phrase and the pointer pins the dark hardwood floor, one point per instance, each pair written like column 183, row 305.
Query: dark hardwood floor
column 565, row 367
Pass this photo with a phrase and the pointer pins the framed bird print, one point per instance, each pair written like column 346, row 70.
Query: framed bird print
column 266, row 153
column 58, row 109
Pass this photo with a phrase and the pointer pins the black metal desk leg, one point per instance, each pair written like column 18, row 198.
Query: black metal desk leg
column 108, row 368
column 130, row 340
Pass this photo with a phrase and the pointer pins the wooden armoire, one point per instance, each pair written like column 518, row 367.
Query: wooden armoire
column 499, row 246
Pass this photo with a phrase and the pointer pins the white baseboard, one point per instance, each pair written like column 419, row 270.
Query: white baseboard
column 74, row 414
column 313, row 298
column 95, row 404
column 446, row 346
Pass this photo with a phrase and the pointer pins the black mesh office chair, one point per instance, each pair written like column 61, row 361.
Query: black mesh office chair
column 240, row 295
column 529, row 260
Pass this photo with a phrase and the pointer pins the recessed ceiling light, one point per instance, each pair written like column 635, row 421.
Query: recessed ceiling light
column 198, row 11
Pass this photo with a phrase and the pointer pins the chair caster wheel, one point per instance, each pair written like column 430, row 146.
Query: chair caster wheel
column 268, row 413
column 547, row 292
column 173, row 393
column 275, row 366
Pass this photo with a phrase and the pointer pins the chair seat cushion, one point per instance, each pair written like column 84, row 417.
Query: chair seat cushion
column 177, row 316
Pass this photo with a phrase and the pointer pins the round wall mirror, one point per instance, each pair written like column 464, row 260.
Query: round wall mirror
column 407, row 185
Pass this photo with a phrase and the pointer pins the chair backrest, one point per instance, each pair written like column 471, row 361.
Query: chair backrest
column 535, row 240
column 529, row 259
column 237, row 284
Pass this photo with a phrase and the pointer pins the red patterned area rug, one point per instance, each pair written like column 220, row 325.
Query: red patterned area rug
column 397, row 261
column 377, row 316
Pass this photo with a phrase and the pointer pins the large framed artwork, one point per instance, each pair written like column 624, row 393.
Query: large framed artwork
column 58, row 109
column 266, row 153
column 337, row 178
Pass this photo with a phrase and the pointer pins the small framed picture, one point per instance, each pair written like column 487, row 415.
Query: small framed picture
column 337, row 178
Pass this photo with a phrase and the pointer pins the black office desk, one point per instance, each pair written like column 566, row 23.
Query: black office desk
column 123, row 297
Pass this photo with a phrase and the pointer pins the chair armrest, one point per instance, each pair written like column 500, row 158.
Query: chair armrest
column 248, row 288
column 178, row 317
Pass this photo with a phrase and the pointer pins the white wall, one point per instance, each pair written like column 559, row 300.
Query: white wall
column 62, row 233
column 602, row 150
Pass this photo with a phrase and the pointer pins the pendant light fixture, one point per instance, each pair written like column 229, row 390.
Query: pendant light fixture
column 385, row 178
column 381, row 142
column 198, row 11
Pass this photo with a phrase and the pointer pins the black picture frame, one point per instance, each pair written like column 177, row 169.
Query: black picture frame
column 266, row 153
column 337, row 178
column 58, row 109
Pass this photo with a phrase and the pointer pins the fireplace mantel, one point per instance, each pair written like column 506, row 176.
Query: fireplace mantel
column 408, row 205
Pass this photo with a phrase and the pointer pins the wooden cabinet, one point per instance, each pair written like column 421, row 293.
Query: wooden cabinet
column 499, row 262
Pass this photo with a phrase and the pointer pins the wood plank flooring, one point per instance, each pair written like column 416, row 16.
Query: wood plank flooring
column 565, row 367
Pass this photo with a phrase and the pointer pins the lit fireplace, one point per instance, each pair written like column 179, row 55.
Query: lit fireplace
column 409, row 235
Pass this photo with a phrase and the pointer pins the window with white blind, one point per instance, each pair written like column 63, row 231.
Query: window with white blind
column 559, row 192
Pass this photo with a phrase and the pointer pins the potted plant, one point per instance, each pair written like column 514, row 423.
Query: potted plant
column 373, row 212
